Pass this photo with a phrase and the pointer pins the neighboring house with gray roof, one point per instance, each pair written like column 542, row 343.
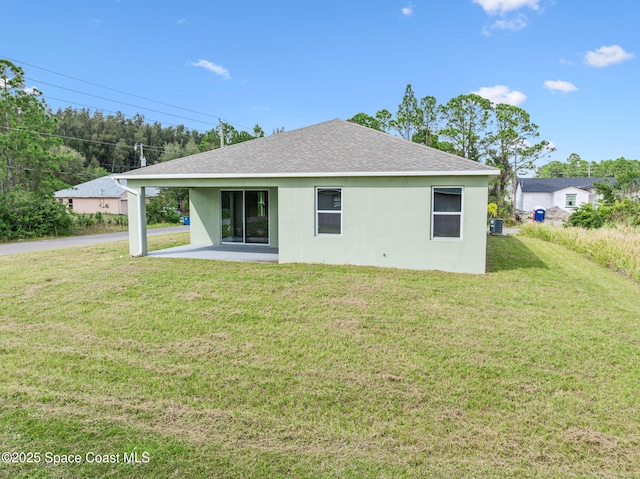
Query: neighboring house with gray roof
column 565, row 193
column 102, row 195
column 336, row 193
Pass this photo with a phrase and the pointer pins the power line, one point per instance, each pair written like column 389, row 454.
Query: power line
column 153, row 148
column 96, row 109
column 121, row 102
column 113, row 89
column 125, row 93
column 79, row 173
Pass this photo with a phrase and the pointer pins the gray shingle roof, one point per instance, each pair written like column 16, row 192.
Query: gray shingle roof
column 328, row 149
column 549, row 185
column 104, row 187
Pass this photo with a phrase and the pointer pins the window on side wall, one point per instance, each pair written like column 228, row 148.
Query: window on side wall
column 570, row 201
column 328, row 211
column 446, row 212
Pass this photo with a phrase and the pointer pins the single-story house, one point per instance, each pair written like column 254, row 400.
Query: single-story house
column 336, row 193
column 565, row 193
column 102, row 195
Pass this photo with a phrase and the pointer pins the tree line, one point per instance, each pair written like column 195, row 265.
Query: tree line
column 576, row 167
column 106, row 141
column 500, row 135
column 42, row 151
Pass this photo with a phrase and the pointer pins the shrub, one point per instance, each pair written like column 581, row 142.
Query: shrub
column 625, row 213
column 586, row 216
column 159, row 213
column 28, row 215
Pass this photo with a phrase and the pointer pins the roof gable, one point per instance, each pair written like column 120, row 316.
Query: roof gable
column 332, row 148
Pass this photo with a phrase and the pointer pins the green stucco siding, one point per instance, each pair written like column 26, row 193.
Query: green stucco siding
column 204, row 211
column 386, row 222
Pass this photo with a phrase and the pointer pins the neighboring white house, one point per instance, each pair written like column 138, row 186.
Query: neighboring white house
column 336, row 193
column 102, row 195
column 564, row 193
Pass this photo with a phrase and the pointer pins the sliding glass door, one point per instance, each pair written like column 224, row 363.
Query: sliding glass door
column 245, row 216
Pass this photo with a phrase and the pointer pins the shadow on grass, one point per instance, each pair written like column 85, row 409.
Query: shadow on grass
column 508, row 253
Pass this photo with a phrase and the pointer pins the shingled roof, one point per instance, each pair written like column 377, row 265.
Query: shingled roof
column 104, row 187
column 549, row 185
column 332, row 148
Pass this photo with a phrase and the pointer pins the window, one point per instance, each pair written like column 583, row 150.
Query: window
column 571, row 201
column 446, row 216
column 244, row 216
column 70, row 203
column 328, row 211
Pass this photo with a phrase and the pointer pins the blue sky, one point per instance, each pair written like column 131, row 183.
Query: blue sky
column 573, row 65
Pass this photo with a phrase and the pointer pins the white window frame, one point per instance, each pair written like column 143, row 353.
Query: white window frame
column 338, row 212
column 447, row 213
column 566, row 200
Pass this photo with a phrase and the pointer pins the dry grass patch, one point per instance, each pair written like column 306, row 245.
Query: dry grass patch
column 617, row 248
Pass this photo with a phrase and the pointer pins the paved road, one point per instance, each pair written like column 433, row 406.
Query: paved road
column 28, row 246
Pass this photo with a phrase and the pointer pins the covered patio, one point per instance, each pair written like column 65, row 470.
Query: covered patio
column 224, row 252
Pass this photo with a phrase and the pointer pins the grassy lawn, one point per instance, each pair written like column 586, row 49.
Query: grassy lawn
column 227, row 370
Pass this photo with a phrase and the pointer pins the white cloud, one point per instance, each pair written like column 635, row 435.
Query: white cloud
column 212, row 67
column 501, row 94
column 605, row 56
column 513, row 25
column 407, row 11
column 182, row 21
column 495, row 7
column 559, row 85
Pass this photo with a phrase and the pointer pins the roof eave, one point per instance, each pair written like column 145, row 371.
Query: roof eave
column 195, row 176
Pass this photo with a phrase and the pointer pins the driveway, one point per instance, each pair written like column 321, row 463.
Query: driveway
column 29, row 246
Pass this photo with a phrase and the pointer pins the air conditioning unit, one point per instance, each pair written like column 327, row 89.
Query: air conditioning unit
column 495, row 226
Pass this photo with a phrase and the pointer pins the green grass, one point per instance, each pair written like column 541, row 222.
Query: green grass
column 232, row 370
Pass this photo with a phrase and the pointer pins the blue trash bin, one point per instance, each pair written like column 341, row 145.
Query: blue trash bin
column 538, row 215
column 185, row 221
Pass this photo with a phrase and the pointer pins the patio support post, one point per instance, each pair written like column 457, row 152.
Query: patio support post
column 137, row 220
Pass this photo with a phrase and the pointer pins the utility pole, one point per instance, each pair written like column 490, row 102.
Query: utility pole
column 143, row 160
column 221, row 134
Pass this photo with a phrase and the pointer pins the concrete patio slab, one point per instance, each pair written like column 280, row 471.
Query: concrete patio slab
column 243, row 253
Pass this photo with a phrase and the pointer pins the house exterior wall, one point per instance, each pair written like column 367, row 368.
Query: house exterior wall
column 386, row 221
column 582, row 197
column 117, row 206
column 527, row 201
column 533, row 200
column 204, row 208
column 204, row 215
